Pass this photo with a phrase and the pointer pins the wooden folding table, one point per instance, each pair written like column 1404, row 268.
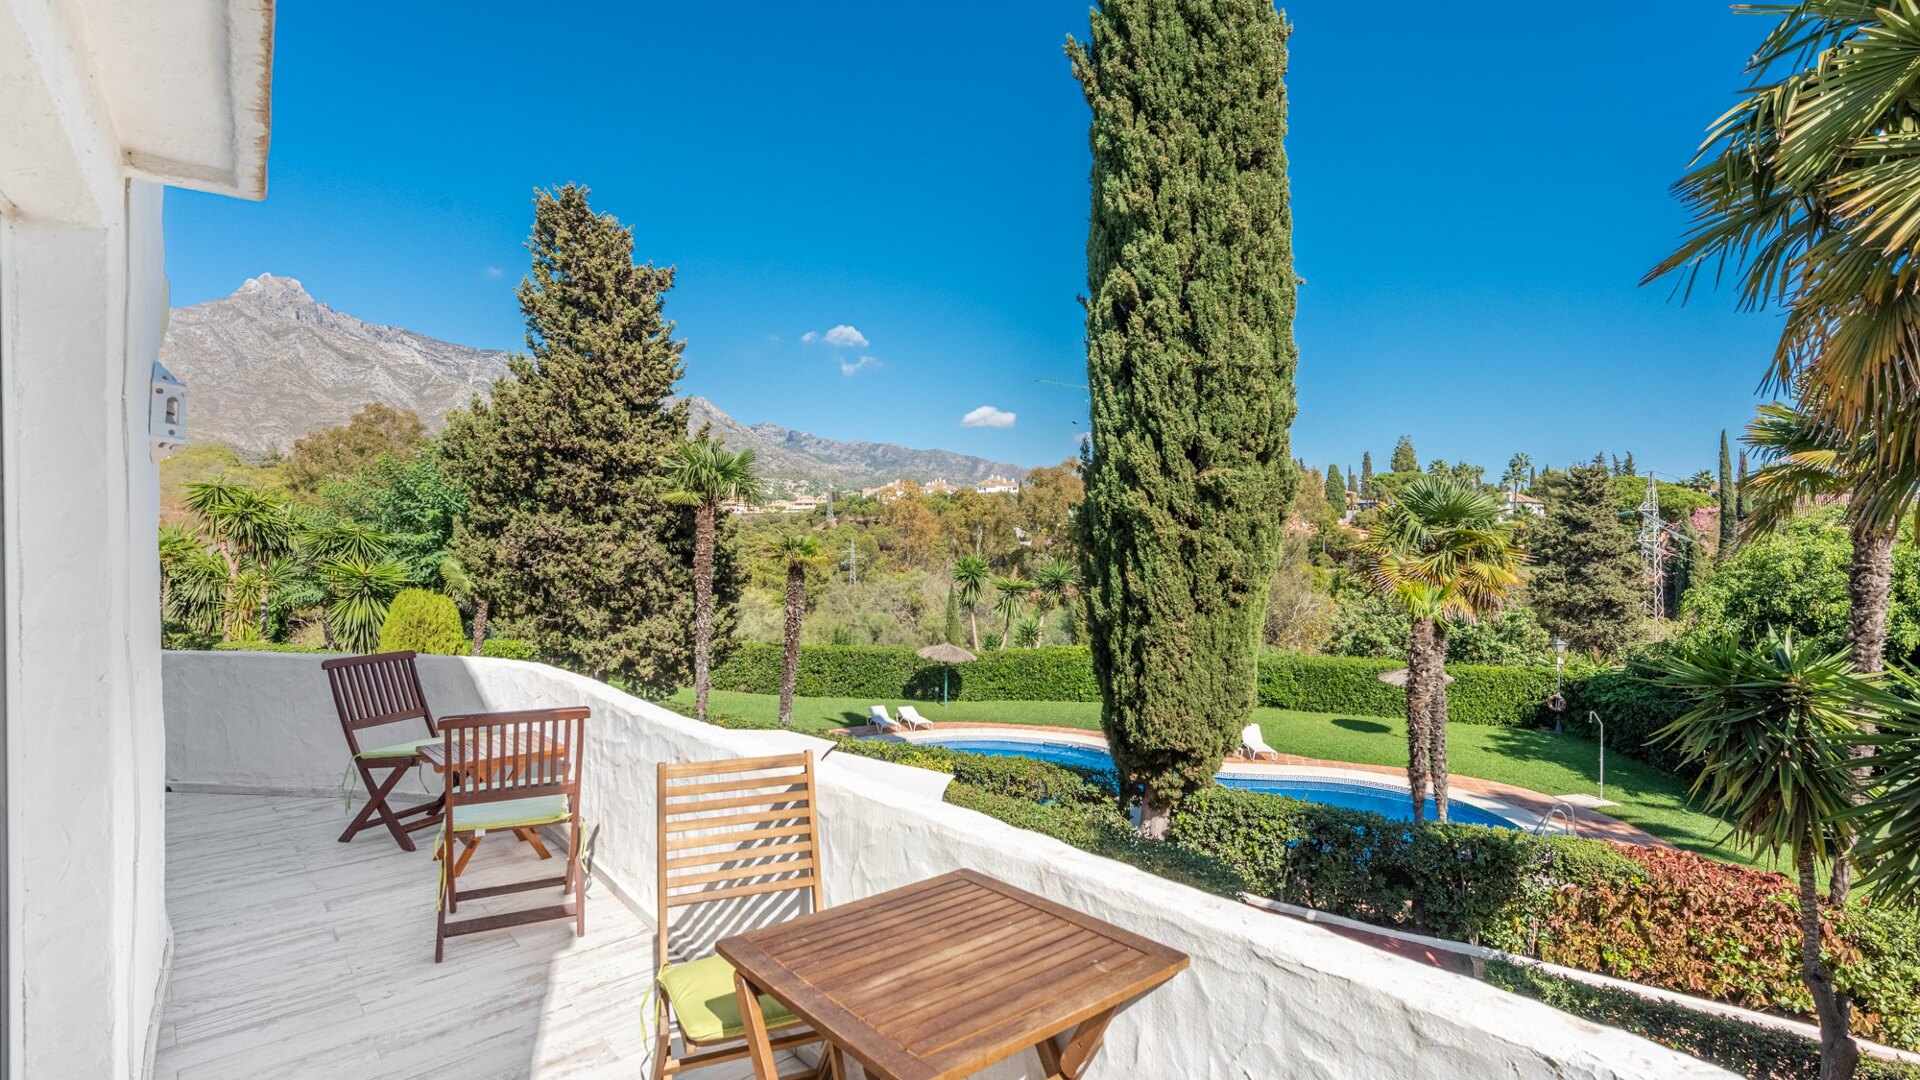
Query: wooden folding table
column 488, row 758
column 940, row 979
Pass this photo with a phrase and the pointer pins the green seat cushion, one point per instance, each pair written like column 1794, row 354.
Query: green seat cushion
column 511, row 813
column 405, row 749
column 705, row 1004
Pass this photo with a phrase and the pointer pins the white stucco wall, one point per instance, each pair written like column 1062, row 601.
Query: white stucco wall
column 81, row 311
column 1265, row 997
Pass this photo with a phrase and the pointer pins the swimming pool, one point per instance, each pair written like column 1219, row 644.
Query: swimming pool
column 1383, row 799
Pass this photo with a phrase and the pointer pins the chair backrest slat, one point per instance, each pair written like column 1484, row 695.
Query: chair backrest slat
column 376, row 690
column 735, row 828
column 529, row 753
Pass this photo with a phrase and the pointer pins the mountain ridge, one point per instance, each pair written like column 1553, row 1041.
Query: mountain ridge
column 269, row 364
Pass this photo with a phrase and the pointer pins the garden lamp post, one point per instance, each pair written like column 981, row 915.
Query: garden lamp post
column 1559, row 660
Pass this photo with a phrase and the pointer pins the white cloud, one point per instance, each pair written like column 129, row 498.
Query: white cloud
column 862, row 364
column 495, row 272
column 810, row 336
column 845, row 337
column 987, row 416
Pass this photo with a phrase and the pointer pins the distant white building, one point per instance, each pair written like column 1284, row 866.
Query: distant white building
column 1514, row 502
column 998, row 485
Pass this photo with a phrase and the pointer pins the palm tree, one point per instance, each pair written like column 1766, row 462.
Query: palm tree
column 971, row 574
column 1771, row 728
column 361, row 590
column 1055, row 581
column 798, row 551
column 1012, row 602
column 704, row 475
column 249, row 528
column 1440, row 549
column 1806, row 188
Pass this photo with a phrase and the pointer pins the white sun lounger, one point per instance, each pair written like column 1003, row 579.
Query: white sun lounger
column 911, row 717
column 1254, row 745
column 877, row 716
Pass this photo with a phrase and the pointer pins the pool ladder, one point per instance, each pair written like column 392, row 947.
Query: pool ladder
column 1563, row 811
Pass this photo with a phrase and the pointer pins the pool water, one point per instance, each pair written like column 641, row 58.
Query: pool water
column 1352, row 794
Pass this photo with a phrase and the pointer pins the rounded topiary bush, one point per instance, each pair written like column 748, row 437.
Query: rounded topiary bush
column 425, row 622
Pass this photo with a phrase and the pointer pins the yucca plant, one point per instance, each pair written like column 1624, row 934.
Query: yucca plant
column 1054, row 582
column 704, row 475
column 360, row 591
column 1440, row 549
column 1012, row 602
column 1772, row 728
column 970, row 577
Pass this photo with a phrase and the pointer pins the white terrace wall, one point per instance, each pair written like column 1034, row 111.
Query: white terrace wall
column 1265, row 997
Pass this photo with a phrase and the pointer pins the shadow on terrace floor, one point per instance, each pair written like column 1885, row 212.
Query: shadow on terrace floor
column 297, row 956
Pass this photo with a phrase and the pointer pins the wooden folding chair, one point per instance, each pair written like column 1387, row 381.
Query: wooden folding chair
column 375, row 691
column 741, row 833
column 510, row 771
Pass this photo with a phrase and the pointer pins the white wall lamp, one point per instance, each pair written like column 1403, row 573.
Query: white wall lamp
column 166, row 413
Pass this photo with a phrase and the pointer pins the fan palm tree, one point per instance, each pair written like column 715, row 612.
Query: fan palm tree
column 971, row 575
column 798, row 551
column 1441, row 548
column 1012, row 602
column 1055, row 582
column 1809, row 189
column 703, row 475
column 1771, row 728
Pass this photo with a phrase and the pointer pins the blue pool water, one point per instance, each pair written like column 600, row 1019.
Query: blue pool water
column 1354, row 795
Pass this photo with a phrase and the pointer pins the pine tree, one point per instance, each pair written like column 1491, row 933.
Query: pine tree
column 1366, row 474
column 1728, row 517
column 1626, row 465
column 1404, row 459
column 1336, row 489
column 1190, row 357
column 1588, row 586
column 568, row 533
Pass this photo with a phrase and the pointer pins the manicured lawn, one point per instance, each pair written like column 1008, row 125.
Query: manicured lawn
column 1541, row 760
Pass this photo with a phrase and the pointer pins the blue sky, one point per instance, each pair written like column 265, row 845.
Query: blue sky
column 1475, row 199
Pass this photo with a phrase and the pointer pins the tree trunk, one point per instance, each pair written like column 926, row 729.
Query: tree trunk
column 703, row 542
column 973, row 627
column 1839, row 1054
column 480, row 606
column 790, row 657
column 1437, row 721
column 1419, row 705
column 1869, row 583
column 1155, row 816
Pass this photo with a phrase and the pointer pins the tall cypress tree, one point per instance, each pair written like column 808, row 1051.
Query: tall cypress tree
column 1336, row 489
column 1588, row 587
column 1728, row 520
column 1740, row 489
column 1366, row 474
column 568, row 532
column 1404, row 459
column 1353, row 481
column 1190, row 360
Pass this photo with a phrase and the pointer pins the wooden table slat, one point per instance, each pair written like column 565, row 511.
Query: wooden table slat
column 939, row 980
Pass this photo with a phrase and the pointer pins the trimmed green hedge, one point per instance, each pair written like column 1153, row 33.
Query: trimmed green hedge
column 502, row 648
column 1748, row 1049
column 269, row 646
column 1480, row 694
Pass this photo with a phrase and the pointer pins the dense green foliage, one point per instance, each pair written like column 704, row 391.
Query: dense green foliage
column 1795, row 578
column 1758, row 1053
column 1480, row 694
column 1589, row 588
column 568, row 533
column 1190, row 359
column 1404, row 459
column 425, row 623
column 502, row 648
column 1677, row 501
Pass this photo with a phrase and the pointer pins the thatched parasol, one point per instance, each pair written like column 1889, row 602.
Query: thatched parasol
column 946, row 656
column 1398, row 677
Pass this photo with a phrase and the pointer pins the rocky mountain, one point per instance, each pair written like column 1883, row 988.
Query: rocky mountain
column 809, row 464
column 270, row 364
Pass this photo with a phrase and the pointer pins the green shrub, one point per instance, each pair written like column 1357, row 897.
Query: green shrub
column 502, row 648
column 1480, row 694
column 269, row 646
column 1748, row 1049
column 425, row 622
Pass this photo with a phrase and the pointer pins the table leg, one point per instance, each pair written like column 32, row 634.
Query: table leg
column 758, row 1051
column 1068, row 1062
column 533, row 840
